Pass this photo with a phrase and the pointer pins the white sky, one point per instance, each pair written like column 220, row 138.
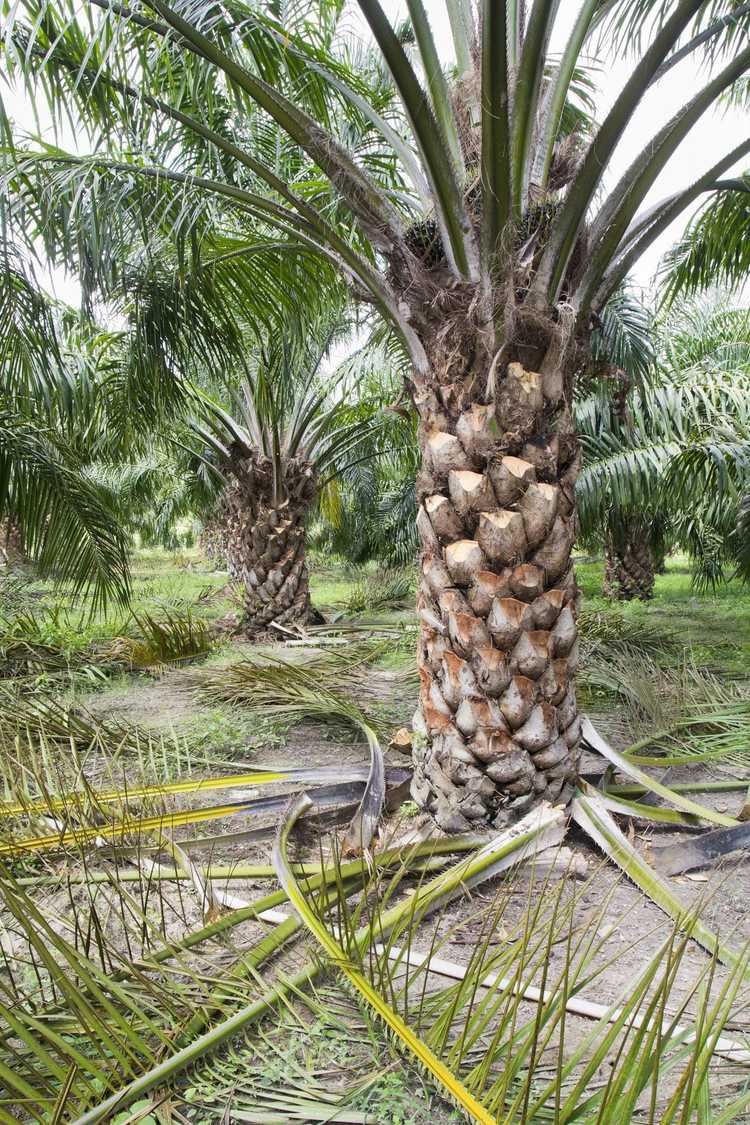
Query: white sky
column 717, row 132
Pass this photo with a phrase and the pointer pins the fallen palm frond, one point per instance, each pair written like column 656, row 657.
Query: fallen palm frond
column 294, row 691
column 538, row 830
column 191, row 786
column 320, row 685
column 697, row 786
column 496, row 1040
column 49, row 643
column 641, row 810
column 626, row 765
column 507, row 1055
column 123, row 826
column 686, row 714
column 718, row 731
column 297, row 1071
column 592, row 816
column 727, row 1048
column 173, row 638
column 52, row 749
column 701, row 850
column 614, row 633
column 428, row 897
column 30, row 649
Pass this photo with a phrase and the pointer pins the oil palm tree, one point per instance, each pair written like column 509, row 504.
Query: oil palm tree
column 622, row 357
column 289, row 431
column 671, row 466
column 466, row 206
column 50, row 506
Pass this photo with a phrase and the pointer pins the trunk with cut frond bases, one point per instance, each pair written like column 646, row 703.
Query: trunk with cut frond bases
column 629, row 566
column 265, row 539
column 213, row 538
column 12, row 551
column 497, row 728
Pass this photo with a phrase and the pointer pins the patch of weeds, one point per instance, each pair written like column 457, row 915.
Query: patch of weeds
column 385, row 589
column 394, row 1100
column 229, row 729
column 333, row 1054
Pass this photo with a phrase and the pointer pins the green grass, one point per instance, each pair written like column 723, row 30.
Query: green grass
column 711, row 630
column 162, row 581
column 329, row 590
column 231, row 730
column 714, row 626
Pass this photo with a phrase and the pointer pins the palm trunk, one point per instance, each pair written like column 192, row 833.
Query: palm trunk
column 213, row 539
column 629, row 569
column 497, row 727
column 11, row 543
column 265, row 539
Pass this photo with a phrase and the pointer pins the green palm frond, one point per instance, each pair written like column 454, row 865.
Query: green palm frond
column 713, row 250
column 675, row 454
column 29, row 355
column 69, row 527
column 624, row 336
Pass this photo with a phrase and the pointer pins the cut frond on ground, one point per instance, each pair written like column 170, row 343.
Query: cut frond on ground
column 320, row 686
column 614, row 632
column 590, row 813
column 176, row 636
column 680, row 716
column 502, row 1059
column 49, row 643
column 96, row 1029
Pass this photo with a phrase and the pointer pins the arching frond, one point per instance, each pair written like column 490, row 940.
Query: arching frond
column 714, row 249
column 624, row 334
column 68, row 525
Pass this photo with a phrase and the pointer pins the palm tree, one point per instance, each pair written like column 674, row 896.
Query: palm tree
column 622, row 355
column 671, row 467
column 467, row 208
column 291, row 430
column 50, row 423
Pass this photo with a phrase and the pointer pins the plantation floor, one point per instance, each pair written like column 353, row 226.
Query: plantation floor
column 671, row 651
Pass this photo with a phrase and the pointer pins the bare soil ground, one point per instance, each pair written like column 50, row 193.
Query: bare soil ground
column 638, row 928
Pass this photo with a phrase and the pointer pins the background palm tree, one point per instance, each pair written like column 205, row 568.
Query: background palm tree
column 52, row 425
column 466, row 207
column 670, row 465
column 290, row 431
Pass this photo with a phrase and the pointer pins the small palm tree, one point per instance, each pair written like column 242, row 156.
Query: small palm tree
column 466, row 207
column 291, row 430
